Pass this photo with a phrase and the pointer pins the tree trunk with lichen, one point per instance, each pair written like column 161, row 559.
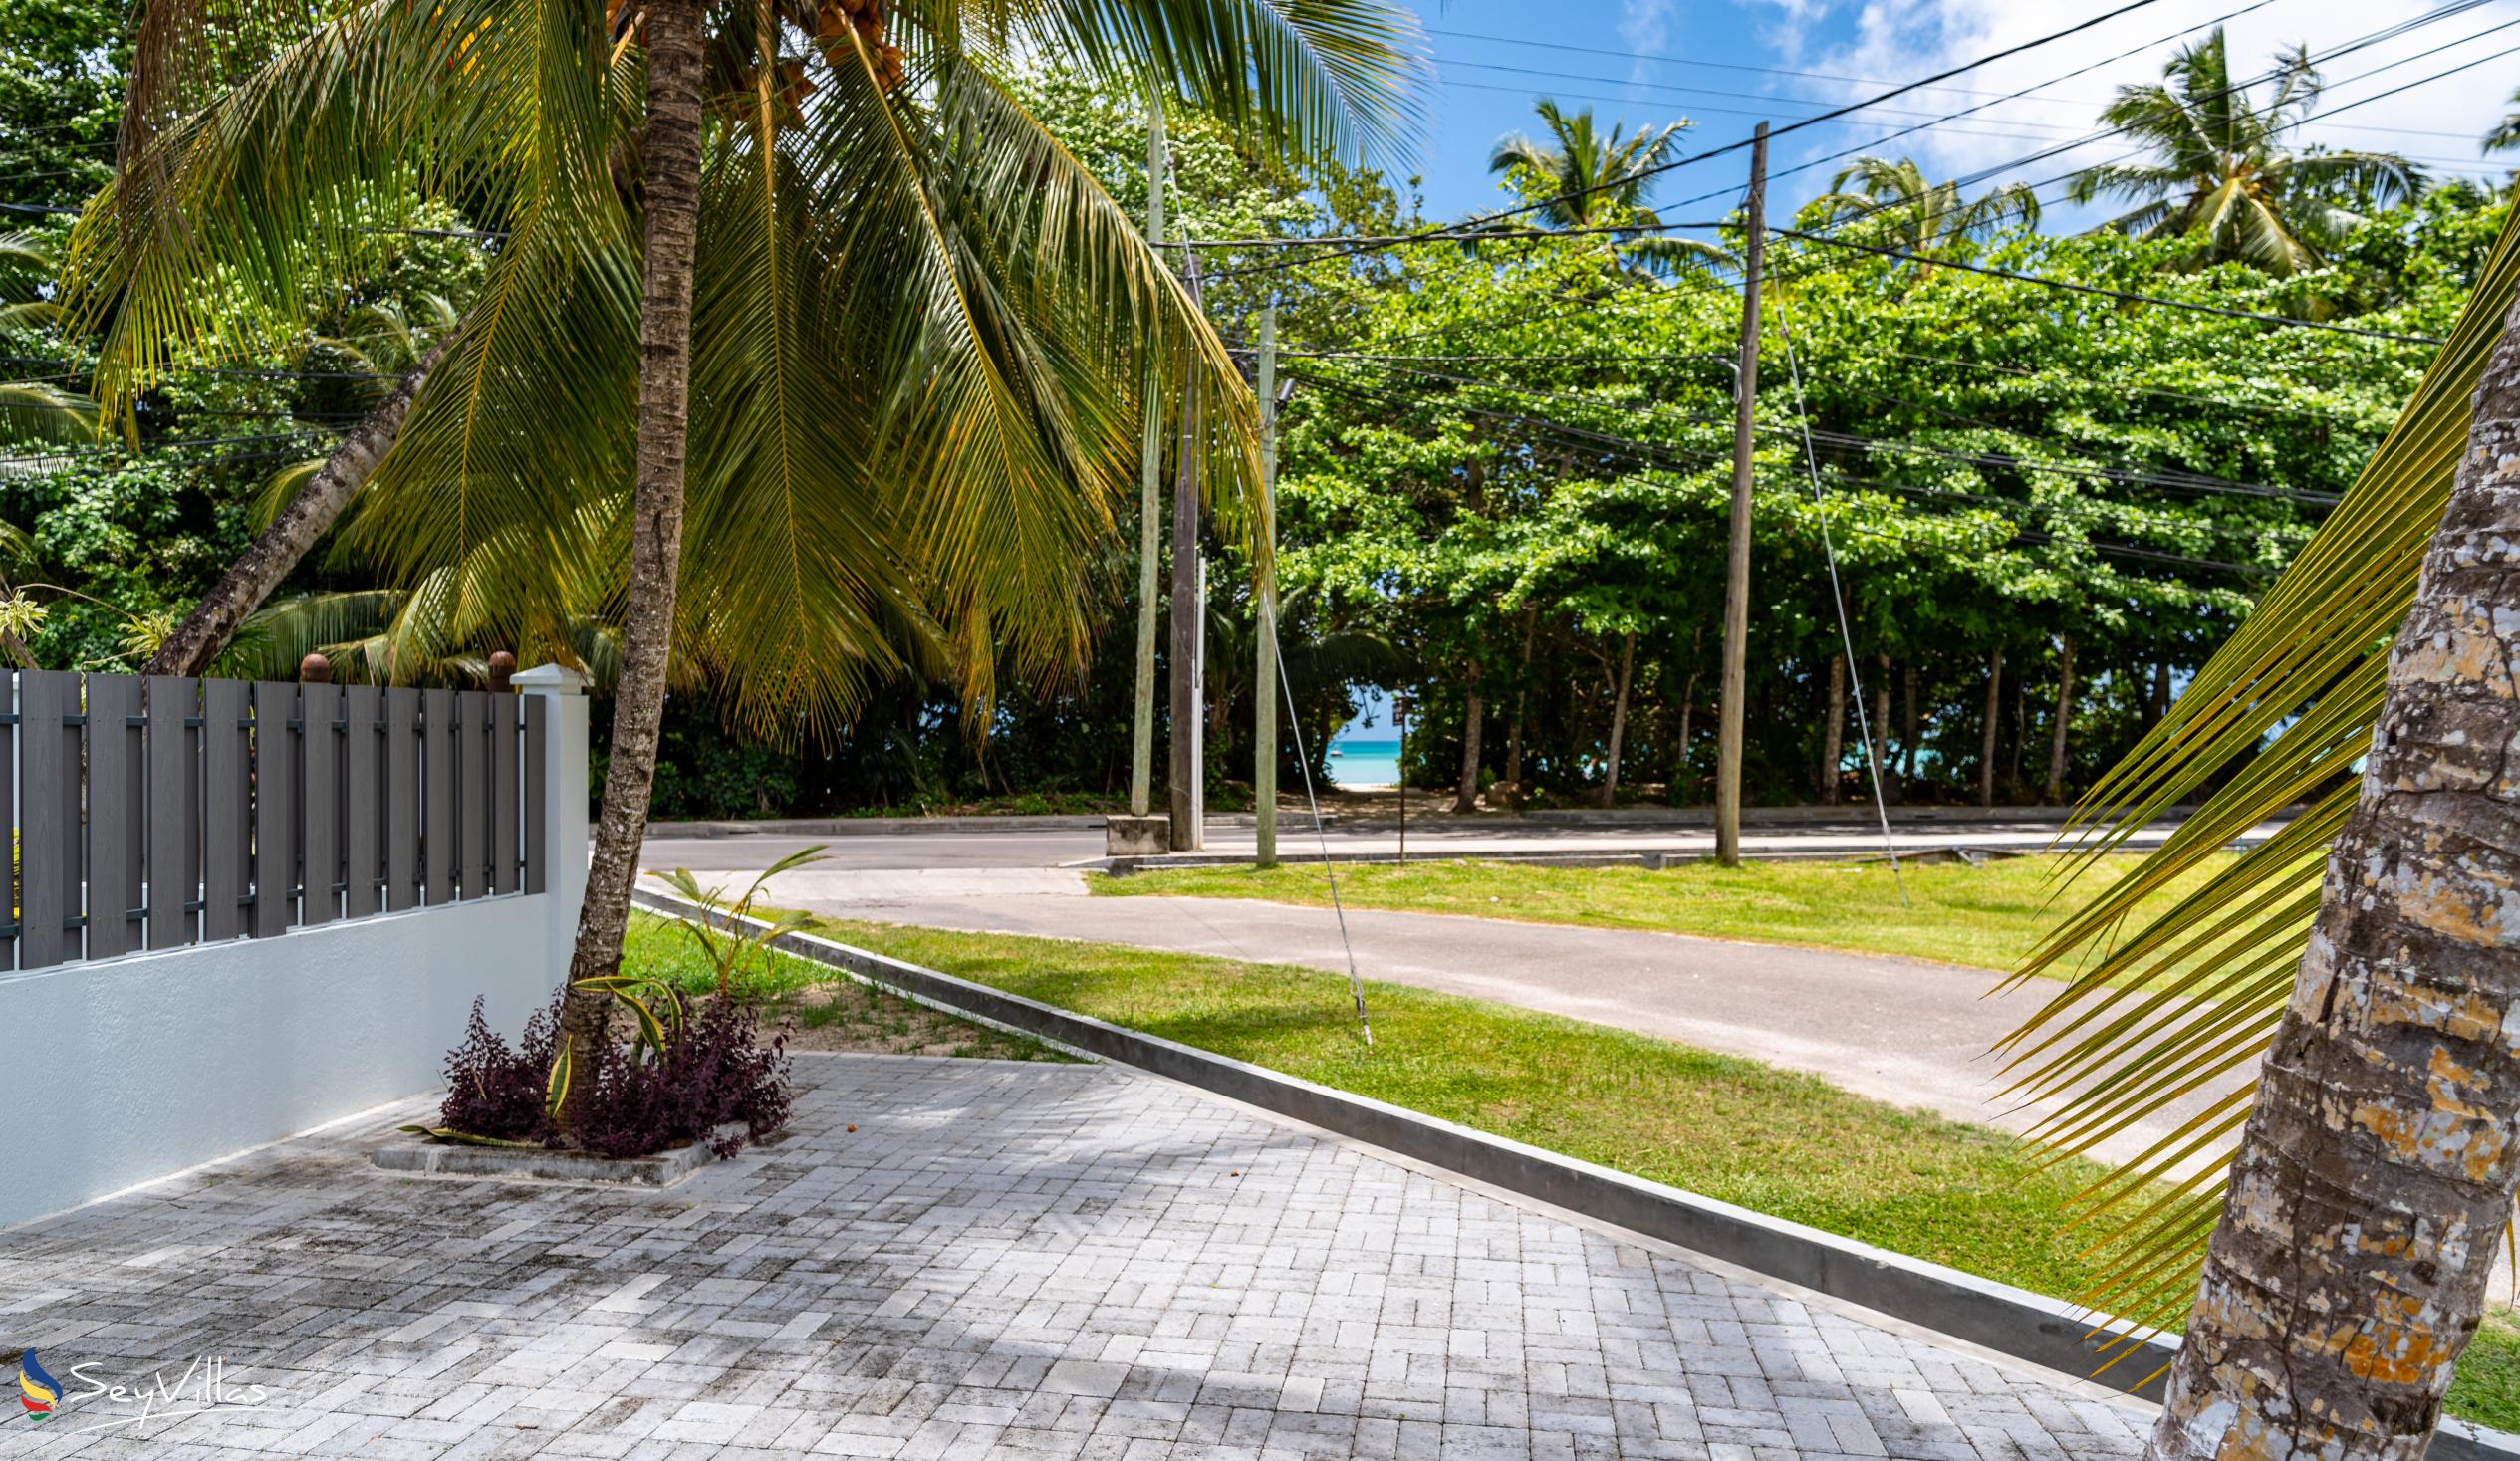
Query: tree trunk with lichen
column 2372, row 1188
column 1465, row 793
column 2058, row 728
column 671, row 150
column 1833, row 733
column 1618, row 717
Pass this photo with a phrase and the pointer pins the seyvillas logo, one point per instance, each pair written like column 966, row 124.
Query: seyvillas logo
column 202, row 1387
column 38, row 1391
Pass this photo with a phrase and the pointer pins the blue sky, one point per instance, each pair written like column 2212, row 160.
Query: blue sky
column 1725, row 63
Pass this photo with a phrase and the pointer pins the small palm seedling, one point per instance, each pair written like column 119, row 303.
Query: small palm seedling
column 734, row 937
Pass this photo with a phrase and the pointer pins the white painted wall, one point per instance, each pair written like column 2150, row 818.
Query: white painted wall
column 119, row 1072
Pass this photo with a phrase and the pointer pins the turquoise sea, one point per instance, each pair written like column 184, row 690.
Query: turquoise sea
column 1357, row 762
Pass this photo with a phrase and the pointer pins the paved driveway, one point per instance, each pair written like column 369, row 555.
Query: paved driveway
column 1002, row 1260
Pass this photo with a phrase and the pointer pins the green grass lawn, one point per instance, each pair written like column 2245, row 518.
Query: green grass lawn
column 1990, row 916
column 1777, row 1141
column 815, row 1008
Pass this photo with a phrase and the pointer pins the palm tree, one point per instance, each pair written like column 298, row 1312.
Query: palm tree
column 2506, row 132
column 2219, row 174
column 1590, row 178
column 1921, row 218
column 2363, row 958
column 807, row 273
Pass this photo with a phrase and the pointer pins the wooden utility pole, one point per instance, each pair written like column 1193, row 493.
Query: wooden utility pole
column 1185, row 771
column 1728, row 720
column 1142, row 728
column 1264, row 723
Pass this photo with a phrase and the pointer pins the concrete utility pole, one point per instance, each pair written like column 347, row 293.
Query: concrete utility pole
column 1264, row 721
column 1746, row 397
column 1141, row 729
column 1187, row 773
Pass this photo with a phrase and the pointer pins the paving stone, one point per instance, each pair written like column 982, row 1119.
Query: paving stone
column 1002, row 1260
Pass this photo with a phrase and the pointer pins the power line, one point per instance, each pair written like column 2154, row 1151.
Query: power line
column 1627, row 180
column 1652, row 454
column 2096, row 470
column 2104, row 292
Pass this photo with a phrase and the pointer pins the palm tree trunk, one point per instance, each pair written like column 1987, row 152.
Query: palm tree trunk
column 1994, row 717
column 1833, row 731
column 249, row 580
column 1618, row 717
column 1466, row 798
column 672, row 148
column 2371, row 1188
column 2064, row 716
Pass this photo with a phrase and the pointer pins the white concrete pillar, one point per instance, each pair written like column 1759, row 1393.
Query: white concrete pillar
column 564, row 702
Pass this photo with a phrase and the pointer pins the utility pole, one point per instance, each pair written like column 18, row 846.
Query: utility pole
column 1264, row 724
column 1141, row 729
column 1745, row 400
column 1187, row 772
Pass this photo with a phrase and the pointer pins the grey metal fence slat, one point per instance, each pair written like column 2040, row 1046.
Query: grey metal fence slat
column 403, row 799
column 278, row 772
column 472, row 791
column 48, row 826
column 113, row 808
column 536, row 718
column 319, row 754
column 174, row 810
column 504, row 809
column 8, row 799
column 363, row 800
column 227, row 836
column 438, row 857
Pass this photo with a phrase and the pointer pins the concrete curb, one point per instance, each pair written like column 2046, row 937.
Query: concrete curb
column 1652, row 861
column 2014, row 1322
column 423, row 1158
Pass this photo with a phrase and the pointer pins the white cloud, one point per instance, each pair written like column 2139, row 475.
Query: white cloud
column 1645, row 26
column 2438, row 123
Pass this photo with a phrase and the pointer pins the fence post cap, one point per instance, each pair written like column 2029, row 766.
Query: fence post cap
column 550, row 679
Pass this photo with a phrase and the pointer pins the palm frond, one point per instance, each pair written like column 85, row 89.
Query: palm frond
column 2178, row 1005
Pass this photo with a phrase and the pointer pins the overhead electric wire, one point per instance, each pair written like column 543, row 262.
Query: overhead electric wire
column 2105, row 292
column 1653, row 453
column 1837, row 601
column 2088, row 468
column 1626, row 179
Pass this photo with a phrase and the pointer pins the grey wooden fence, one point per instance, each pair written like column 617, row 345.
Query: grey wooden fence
column 155, row 811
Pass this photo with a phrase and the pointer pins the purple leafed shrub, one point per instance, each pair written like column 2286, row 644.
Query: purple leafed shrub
column 492, row 1091
column 716, row 1073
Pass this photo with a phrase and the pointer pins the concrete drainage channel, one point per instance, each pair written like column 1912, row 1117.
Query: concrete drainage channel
column 2013, row 1322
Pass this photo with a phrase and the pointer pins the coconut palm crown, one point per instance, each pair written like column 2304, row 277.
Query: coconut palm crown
column 919, row 332
column 1590, row 176
column 2219, row 174
column 1921, row 217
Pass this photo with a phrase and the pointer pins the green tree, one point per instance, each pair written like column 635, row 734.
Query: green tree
column 2220, row 176
column 61, row 96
